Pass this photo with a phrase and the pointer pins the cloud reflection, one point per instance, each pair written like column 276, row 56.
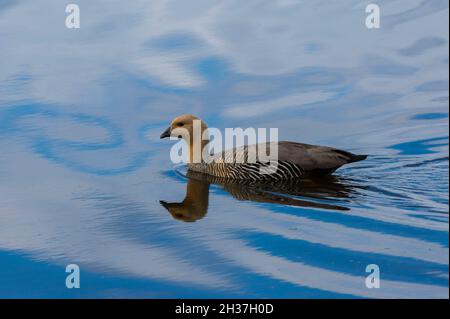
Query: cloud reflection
column 81, row 172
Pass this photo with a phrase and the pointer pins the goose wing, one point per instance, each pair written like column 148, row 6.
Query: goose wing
column 309, row 157
column 315, row 157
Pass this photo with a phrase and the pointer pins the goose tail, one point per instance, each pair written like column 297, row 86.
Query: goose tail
column 357, row 158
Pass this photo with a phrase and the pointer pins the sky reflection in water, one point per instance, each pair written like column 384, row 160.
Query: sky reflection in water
column 82, row 170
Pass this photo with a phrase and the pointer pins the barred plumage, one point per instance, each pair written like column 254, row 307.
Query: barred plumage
column 234, row 164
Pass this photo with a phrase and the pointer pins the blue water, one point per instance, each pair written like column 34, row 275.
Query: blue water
column 83, row 171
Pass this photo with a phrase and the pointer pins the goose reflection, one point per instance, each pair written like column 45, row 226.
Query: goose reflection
column 312, row 191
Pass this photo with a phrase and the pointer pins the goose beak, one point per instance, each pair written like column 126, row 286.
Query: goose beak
column 166, row 133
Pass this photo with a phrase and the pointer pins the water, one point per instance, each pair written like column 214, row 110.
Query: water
column 82, row 169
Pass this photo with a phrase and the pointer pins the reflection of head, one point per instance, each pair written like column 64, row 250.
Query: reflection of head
column 195, row 203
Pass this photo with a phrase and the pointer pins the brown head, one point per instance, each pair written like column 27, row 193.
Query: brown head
column 186, row 127
column 185, row 122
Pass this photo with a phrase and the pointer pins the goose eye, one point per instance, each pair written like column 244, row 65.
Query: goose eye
column 180, row 124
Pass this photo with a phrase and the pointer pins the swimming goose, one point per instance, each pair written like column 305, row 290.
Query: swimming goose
column 294, row 160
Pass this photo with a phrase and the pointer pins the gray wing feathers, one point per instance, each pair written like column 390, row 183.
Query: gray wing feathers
column 314, row 157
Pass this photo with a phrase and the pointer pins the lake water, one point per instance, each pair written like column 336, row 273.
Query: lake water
column 83, row 171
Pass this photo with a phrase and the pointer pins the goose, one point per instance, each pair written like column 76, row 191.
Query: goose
column 294, row 161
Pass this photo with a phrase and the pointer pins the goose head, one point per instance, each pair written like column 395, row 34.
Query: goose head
column 191, row 129
column 183, row 127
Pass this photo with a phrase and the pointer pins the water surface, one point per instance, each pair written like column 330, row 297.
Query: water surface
column 82, row 169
